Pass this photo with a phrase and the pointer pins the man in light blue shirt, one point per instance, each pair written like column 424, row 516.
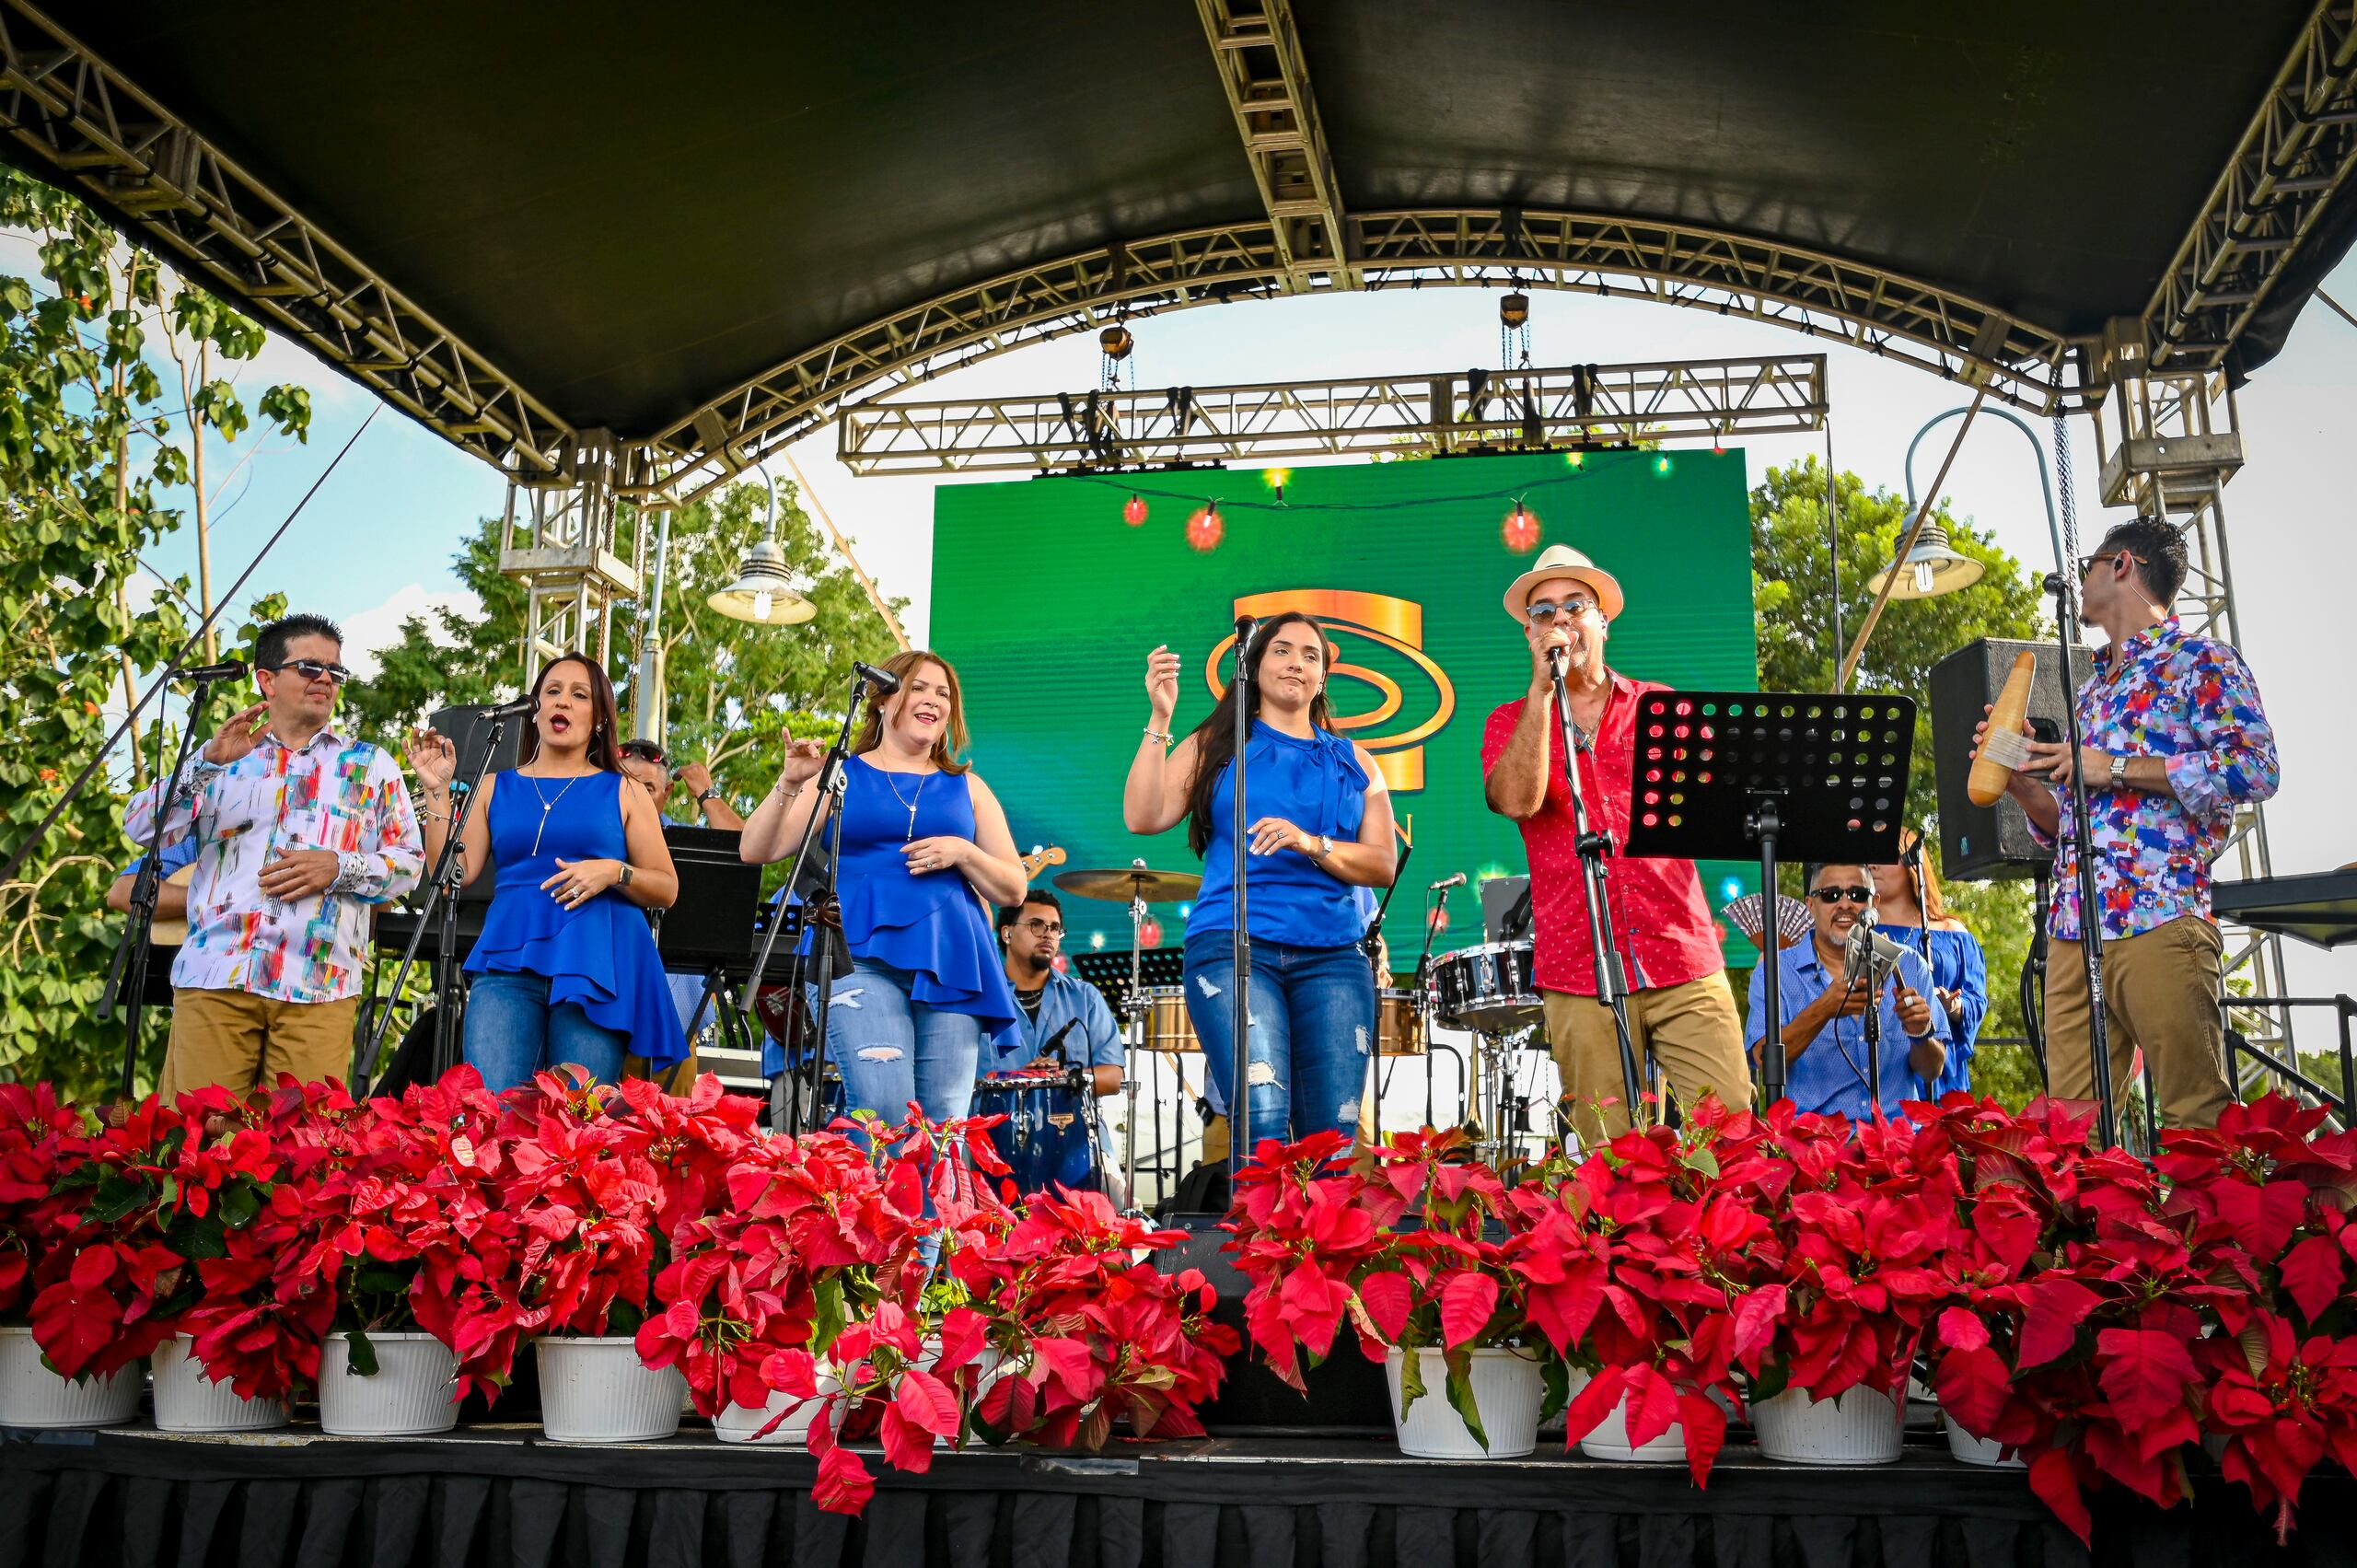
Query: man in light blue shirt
column 1032, row 935
column 1824, row 1023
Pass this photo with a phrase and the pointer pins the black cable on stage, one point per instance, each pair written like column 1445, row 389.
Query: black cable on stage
column 1509, row 493
column 98, row 759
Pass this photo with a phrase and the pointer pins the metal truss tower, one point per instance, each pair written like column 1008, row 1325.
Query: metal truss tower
column 567, row 537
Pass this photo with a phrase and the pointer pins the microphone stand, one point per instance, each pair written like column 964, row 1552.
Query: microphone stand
column 786, row 1114
column 1372, row 946
column 1611, row 985
column 2066, row 637
column 139, row 936
column 1239, row 1099
column 442, row 901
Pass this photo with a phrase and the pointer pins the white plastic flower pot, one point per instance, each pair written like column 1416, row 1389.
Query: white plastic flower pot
column 740, row 1424
column 1507, row 1393
column 1861, row 1427
column 1610, row 1439
column 596, row 1390
column 33, row 1396
column 1978, row 1450
column 412, row 1392
column 188, row 1399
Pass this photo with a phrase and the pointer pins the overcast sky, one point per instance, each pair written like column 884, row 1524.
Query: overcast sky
column 375, row 544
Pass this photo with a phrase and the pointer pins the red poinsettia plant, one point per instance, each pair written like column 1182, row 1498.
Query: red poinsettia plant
column 1413, row 1244
column 40, row 1141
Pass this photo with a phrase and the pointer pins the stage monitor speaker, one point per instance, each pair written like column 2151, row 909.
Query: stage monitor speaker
column 469, row 732
column 1984, row 842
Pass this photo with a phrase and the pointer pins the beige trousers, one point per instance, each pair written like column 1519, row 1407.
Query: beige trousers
column 1691, row 1030
column 2160, row 993
column 243, row 1041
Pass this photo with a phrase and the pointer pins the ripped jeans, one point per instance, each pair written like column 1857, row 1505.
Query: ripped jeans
column 1313, row 1027
column 891, row 1051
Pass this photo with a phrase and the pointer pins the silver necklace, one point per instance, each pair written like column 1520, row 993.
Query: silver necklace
column 908, row 800
column 547, row 805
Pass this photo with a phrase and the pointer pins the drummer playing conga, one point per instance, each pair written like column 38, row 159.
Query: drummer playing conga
column 1031, row 934
column 1680, row 1011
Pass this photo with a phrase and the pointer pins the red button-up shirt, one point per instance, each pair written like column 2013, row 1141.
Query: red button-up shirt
column 1666, row 937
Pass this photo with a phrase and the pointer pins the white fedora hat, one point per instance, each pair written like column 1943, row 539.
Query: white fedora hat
column 1562, row 561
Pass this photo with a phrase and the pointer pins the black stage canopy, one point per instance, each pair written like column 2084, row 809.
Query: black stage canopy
column 704, row 226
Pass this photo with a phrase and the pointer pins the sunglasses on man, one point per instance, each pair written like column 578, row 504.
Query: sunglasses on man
column 1835, row 895
column 311, row 670
column 2089, row 562
column 1544, row 611
column 644, row 750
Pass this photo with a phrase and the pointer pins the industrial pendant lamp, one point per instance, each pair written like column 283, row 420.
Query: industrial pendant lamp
column 1931, row 569
column 764, row 592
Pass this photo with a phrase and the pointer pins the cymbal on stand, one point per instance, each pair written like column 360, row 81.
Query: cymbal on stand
column 1121, row 885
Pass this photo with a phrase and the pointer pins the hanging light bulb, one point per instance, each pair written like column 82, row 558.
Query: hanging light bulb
column 763, row 591
column 1929, row 570
column 1133, row 510
column 1520, row 530
column 1204, row 528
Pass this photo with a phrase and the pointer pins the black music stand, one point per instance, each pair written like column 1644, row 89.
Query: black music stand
column 710, row 925
column 1731, row 775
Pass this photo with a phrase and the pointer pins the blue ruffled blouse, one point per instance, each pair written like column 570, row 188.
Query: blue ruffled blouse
column 1318, row 785
column 600, row 954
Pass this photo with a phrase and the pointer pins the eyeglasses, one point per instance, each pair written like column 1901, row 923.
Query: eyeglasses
column 311, row 670
column 1835, row 895
column 2089, row 562
column 1041, row 927
column 1543, row 612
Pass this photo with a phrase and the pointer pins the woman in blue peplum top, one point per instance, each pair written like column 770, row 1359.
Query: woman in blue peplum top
column 566, row 970
column 925, row 848
column 1908, row 910
column 1320, row 829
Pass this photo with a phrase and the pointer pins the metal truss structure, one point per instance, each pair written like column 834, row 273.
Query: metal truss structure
column 2170, row 444
column 2299, row 149
column 1267, row 80
column 227, row 229
column 1465, row 411
column 563, row 537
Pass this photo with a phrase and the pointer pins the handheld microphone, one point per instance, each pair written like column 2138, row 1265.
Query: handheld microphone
column 228, row 669
column 884, row 681
column 1455, row 881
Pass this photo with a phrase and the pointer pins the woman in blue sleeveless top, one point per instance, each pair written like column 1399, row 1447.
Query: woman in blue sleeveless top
column 566, row 970
column 924, row 844
column 1909, row 911
column 1319, row 828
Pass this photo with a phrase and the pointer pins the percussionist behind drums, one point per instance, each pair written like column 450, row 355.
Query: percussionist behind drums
column 1681, row 1014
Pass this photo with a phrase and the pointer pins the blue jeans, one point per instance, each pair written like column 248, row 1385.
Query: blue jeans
column 1312, row 1018
column 512, row 1033
column 891, row 1051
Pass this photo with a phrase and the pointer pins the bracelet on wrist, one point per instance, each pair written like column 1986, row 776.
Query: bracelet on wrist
column 1154, row 734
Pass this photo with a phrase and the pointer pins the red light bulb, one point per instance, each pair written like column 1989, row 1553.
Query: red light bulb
column 1204, row 528
column 1520, row 530
column 1150, row 933
column 1133, row 510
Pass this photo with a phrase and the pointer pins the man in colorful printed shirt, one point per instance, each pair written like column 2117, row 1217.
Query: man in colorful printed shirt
column 2175, row 739
column 1681, row 1012
column 300, row 832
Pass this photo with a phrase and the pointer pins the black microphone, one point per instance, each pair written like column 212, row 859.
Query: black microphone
column 1455, row 881
column 228, row 669
column 515, row 709
column 1243, row 625
column 884, row 681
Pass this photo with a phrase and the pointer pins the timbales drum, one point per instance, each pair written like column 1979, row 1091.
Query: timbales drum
column 1488, row 989
column 1168, row 1027
column 1400, row 1022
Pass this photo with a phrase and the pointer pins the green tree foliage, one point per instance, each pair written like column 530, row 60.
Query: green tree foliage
column 455, row 657
column 1792, row 589
column 90, row 440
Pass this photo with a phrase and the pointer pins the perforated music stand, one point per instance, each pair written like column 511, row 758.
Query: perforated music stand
column 1807, row 776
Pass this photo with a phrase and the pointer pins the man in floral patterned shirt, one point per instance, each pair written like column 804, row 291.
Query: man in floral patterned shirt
column 2175, row 739
column 300, row 832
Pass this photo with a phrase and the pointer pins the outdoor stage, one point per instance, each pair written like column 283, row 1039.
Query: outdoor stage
column 495, row 1494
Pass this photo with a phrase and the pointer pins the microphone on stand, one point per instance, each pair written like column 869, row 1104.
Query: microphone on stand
column 884, row 681
column 228, row 669
column 516, row 709
column 1455, row 881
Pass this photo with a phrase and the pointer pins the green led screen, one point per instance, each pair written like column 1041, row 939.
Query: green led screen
column 1047, row 604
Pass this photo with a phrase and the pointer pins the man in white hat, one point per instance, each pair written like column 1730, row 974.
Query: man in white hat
column 1681, row 1013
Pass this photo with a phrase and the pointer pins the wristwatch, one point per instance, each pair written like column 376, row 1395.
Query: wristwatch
column 625, row 876
column 708, row 796
column 2119, row 772
column 1325, row 847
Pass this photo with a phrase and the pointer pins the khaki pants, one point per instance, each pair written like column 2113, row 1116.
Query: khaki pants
column 1691, row 1030
column 242, row 1041
column 2160, row 993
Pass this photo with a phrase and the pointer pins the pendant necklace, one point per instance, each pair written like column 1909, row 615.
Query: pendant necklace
column 548, row 805
column 908, row 800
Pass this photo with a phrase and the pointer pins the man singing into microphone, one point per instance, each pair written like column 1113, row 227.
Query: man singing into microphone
column 1681, row 1013
column 1822, row 992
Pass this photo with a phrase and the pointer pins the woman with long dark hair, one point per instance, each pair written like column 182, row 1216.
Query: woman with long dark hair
column 1320, row 828
column 566, row 970
column 1910, row 910
column 925, row 846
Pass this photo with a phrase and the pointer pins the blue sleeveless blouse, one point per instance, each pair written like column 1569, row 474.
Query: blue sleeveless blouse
column 1317, row 784
column 935, row 926
column 601, row 955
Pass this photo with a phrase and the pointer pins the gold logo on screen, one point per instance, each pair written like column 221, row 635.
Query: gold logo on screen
column 1394, row 623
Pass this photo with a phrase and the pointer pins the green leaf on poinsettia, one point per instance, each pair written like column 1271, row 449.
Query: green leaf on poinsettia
column 1702, row 1160
column 240, row 1203
column 624, row 1318
column 1460, row 1393
column 81, row 1176
column 193, row 1237
column 363, row 1361
column 830, row 1319
column 1556, row 1374
column 117, row 1197
column 1411, row 1379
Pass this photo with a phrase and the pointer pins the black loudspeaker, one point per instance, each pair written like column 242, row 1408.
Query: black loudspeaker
column 469, row 731
column 1348, row 1395
column 1983, row 842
